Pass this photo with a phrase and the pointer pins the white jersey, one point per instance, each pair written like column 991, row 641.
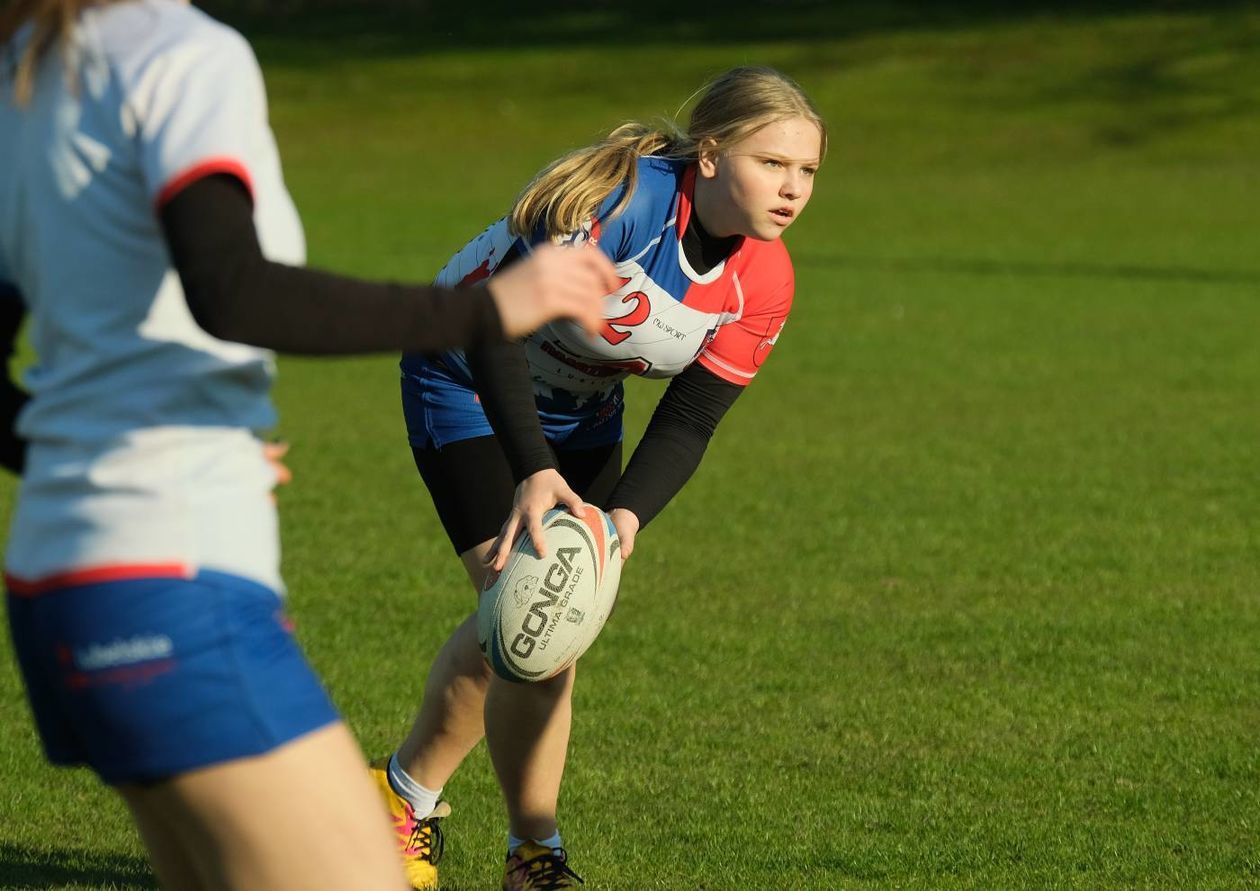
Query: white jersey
column 143, row 456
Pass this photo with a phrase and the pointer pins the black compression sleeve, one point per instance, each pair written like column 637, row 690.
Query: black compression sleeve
column 236, row 294
column 12, row 397
column 674, row 442
column 501, row 377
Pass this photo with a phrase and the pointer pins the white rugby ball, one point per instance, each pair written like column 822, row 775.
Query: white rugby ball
column 537, row 616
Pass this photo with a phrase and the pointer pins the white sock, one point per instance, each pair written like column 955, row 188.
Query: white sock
column 554, row 842
column 422, row 799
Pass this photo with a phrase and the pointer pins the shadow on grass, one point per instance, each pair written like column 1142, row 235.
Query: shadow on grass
column 305, row 30
column 1156, row 86
column 1032, row 269
column 1161, row 86
column 31, row 869
column 22, row 866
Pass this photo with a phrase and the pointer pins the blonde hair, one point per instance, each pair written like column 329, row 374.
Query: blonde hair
column 50, row 21
column 566, row 193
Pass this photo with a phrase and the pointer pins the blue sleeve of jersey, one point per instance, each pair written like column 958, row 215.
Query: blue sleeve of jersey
column 616, row 233
column 627, row 234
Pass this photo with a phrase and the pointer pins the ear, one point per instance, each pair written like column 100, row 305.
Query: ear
column 707, row 157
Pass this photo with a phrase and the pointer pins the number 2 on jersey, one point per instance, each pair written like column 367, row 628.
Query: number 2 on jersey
column 636, row 316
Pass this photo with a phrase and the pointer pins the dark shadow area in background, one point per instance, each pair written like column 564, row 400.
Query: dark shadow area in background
column 408, row 26
column 1032, row 269
column 36, row 868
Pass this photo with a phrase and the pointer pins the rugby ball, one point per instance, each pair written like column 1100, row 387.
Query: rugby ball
column 539, row 614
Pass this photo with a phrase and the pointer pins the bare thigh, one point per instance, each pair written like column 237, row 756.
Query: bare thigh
column 303, row 816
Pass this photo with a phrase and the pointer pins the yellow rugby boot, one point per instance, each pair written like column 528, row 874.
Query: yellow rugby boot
column 535, row 867
column 419, row 839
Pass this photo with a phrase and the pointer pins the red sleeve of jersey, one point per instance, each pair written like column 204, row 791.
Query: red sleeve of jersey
column 740, row 347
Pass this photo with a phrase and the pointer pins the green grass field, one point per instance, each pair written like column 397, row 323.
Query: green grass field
column 967, row 591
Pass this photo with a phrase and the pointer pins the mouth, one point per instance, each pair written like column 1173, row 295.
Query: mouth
column 783, row 215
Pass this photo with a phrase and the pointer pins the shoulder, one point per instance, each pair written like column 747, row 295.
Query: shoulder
column 143, row 30
column 153, row 40
column 664, row 173
column 648, row 212
column 659, row 181
column 656, row 183
column 766, row 275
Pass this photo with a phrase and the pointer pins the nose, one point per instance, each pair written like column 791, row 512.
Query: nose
column 793, row 186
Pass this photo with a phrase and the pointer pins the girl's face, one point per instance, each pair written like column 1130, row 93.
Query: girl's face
column 756, row 187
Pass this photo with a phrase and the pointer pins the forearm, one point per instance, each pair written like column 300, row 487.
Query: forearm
column 501, row 377
column 662, row 464
column 234, row 293
column 307, row 312
column 674, row 442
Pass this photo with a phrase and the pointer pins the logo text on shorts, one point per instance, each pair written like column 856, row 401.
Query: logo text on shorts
column 121, row 651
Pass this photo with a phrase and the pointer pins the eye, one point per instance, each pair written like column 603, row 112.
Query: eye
column 809, row 171
column 771, row 162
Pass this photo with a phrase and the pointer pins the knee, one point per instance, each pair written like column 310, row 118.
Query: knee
column 552, row 690
column 563, row 682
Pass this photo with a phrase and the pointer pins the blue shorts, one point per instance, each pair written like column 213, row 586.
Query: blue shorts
column 147, row 678
column 440, row 408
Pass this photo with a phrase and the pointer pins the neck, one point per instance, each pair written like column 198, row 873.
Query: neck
column 704, row 212
column 704, row 250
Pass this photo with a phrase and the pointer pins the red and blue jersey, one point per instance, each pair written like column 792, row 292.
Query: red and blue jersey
column 665, row 315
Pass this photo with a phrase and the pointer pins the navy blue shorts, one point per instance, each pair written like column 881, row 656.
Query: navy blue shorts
column 440, row 408
column 147, row 678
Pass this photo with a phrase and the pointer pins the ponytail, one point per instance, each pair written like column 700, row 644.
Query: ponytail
column 50, row 21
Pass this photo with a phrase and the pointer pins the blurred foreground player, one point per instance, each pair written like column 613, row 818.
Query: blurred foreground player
column 144, row 223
